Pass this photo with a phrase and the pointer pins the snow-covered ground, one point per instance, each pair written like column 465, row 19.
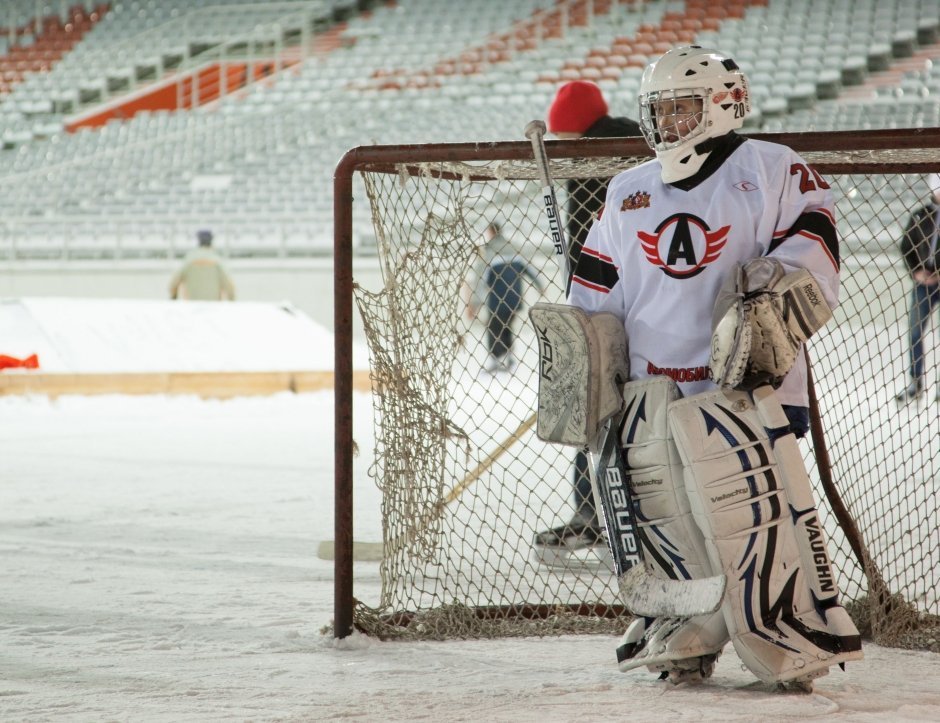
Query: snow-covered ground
column 139, row 335
column 158, row 563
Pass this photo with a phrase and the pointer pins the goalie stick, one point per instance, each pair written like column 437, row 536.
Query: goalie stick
column 641, row 592
column 535, row 132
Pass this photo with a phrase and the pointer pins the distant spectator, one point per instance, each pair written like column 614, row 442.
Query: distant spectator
column 579, row 110
column 921, row 253
column 497, row 284
column 202, row 277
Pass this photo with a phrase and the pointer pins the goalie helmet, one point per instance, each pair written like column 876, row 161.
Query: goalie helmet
column 688, row 97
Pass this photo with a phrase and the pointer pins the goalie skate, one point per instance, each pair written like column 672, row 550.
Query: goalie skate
column 800, row 685
column 693, row 671
column 914, row 392
column 681, row 649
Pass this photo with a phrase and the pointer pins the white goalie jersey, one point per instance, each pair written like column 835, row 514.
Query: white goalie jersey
column 659, row 253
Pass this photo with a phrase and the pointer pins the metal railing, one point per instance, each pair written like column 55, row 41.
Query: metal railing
column 271, row 29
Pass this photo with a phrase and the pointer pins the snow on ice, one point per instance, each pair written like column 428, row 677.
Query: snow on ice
column 157, row 558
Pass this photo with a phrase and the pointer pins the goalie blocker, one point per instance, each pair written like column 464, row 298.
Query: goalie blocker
column 582, row 365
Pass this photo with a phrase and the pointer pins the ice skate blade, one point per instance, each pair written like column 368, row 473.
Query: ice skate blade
column 596, row 557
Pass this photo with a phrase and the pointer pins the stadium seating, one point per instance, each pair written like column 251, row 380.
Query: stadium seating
column 256, row 165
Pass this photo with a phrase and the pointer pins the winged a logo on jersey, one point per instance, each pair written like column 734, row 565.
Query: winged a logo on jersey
column 689, row 243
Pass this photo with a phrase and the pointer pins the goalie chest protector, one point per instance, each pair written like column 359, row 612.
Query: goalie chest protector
column 659, row 254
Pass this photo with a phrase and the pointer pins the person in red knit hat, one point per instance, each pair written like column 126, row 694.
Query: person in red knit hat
column 577, row 106
column 580, row 110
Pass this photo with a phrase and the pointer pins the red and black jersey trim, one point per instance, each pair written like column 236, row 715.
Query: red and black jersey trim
column 595, row 271
column 818, row 225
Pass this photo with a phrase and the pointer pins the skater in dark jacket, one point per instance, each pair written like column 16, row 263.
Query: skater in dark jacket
column 579, row 110
column 921, row 252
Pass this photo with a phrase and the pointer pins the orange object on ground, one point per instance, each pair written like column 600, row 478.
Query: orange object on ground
column 11, row 362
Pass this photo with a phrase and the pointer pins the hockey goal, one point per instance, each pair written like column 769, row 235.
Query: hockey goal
column 465, row 483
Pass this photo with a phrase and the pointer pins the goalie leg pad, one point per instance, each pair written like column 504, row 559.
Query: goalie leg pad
column 582, row 363
column 740, row 467
column 809, row 533
column 673, row 545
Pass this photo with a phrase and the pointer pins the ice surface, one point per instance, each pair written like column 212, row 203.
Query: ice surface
column 157, row 559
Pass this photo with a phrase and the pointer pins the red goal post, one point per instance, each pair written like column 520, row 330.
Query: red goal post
column 465, row 483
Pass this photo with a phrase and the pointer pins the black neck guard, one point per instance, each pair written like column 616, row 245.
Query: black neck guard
column 718, row 149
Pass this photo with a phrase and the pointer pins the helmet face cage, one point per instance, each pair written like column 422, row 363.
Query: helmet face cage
column 669, row 118
column 671, row 125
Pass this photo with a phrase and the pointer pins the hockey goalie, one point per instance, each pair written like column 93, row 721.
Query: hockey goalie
column 719, row 259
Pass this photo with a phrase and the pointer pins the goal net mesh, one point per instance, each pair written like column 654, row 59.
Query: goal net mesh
column 465, row 482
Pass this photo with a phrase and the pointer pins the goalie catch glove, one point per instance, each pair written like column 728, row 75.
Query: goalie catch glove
column 761, row 318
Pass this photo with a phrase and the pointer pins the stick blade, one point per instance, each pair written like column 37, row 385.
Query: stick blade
column 654, row 597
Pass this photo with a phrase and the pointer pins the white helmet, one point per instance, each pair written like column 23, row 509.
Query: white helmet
column 713, row 99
